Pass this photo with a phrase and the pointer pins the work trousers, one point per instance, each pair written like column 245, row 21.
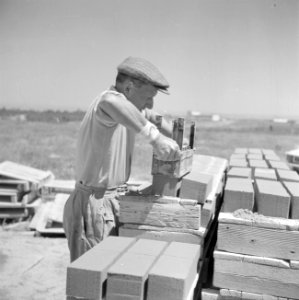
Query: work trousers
column 90, row 215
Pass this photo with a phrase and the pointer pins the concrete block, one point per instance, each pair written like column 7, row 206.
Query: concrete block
column 238, row 156
column 258, row 163
column 268, row 152
column 293, row 189
column 183, row 250
column 129, row 273
column 236, row 172
column 272, row 199
column 258, row 156
column 87, row 274
column 171, row 277
column 287, row 175
column 262, row 173
column 238, row 163
column 254, row 151
column 278, row 165
column 197, row 186
column 238, row 193
column 273, row 157
column 241, row 150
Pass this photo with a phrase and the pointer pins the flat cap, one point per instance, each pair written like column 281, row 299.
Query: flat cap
column 143, row 70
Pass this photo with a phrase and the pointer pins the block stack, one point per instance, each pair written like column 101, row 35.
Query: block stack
column 48, row 219
column 20, row 189
column 257, row 255
column 129, row 268
column 188, row 218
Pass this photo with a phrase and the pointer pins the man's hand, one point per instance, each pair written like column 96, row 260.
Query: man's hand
column 166, row 148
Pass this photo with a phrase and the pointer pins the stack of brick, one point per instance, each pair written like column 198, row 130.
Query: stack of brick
column 20, row 189
column 185, row 218
column 257, row 256
column 266, row 186
column 48, row 218
column 126, row 268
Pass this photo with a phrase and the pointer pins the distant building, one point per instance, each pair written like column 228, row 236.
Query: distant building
column 280, row 120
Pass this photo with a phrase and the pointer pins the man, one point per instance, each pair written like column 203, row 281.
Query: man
column 104, row 151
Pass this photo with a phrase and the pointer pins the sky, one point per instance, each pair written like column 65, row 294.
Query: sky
column 238, row 57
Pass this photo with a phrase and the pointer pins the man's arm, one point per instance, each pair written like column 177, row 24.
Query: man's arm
column 166, row 126
column 124, row 112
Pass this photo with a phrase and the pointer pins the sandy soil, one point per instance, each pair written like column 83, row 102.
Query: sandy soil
column 32, row 267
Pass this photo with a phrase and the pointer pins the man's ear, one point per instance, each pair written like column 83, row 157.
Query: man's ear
column 128, row 88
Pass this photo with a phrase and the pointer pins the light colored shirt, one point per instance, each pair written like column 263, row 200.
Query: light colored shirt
column 105, row 143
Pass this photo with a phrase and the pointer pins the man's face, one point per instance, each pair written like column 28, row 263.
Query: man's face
column 143, row 97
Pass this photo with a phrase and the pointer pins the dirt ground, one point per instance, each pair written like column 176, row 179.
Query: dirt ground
column 32, row 267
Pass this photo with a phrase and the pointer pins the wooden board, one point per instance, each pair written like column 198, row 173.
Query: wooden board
column 17, row 171
column 258, row 235
column 255, row 274
column 160, row 211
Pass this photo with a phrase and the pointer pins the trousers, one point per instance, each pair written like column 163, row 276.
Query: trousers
column 90, row 214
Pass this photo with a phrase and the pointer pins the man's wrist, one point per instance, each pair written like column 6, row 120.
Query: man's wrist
column 150, row 132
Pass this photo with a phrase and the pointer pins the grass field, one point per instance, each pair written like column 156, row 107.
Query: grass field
column 51, row 146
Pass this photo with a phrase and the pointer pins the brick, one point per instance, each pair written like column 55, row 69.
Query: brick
column 258, row 163
column 128, row 274
column 238, row 163
column 272, row 199
column 287, row 175
column 238, row 156
column 261, row 173
column 255, row 151
column 241, row 150
column 238, row 193
column 197, row 186
column 87, row 274
column 293, row 189
column 183, row 250
column 258, row 156
column 236, row 172
column 171, row 277
column 278, row 165
column 273, row 157
column 268, row 152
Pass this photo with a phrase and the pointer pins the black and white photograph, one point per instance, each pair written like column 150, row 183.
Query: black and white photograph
column 149, row 150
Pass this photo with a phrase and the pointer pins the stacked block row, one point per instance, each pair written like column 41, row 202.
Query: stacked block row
column 266, row 186
column 185, row 218
column 129, row 268
column 256, row 254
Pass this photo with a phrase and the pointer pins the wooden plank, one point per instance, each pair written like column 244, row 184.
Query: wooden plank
column 272, row 199
column 255, row 275
column 160, row 211
column 18, row 171
column 192, row 135
column 161, row 235
column 56, row 211
column 8, row 195
column 55, row 186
